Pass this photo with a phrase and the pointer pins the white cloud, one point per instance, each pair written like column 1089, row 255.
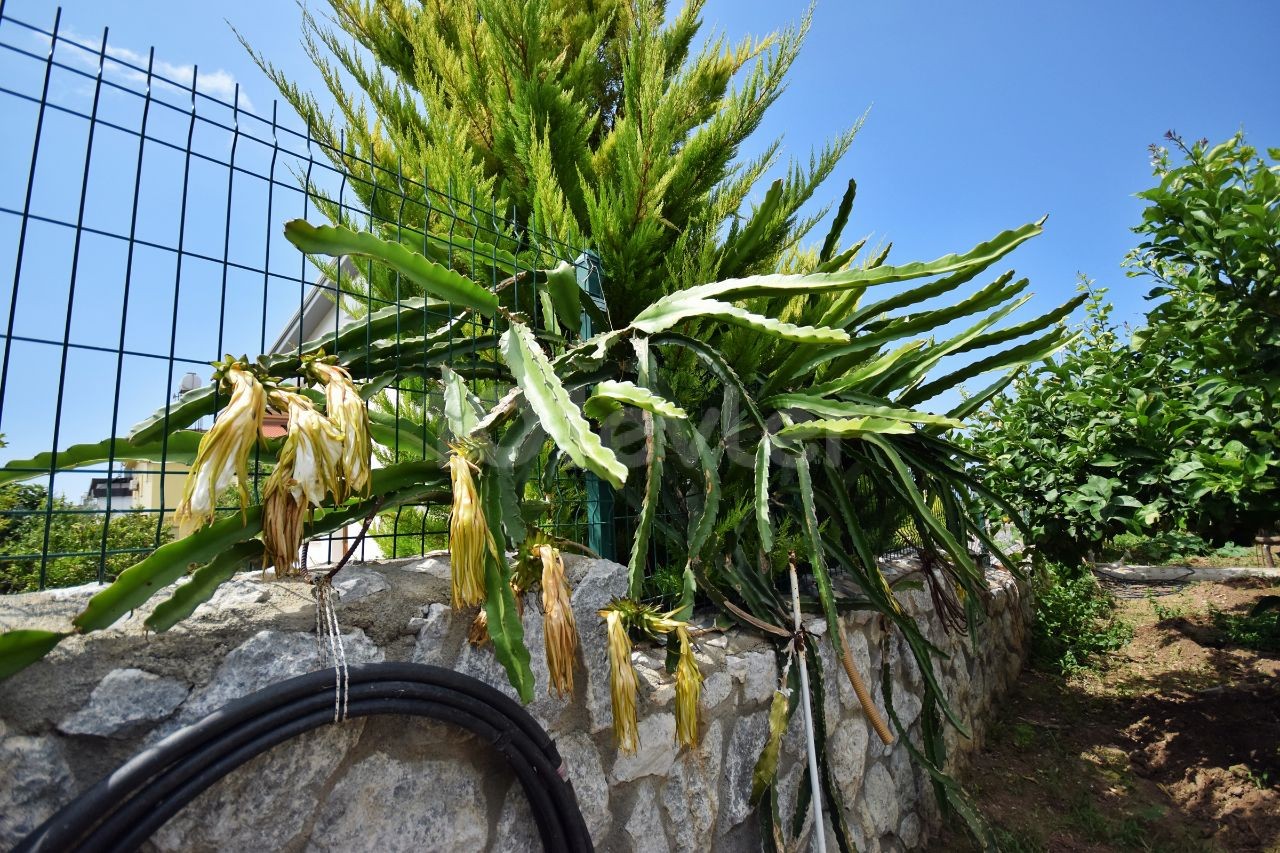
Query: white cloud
column 218, row 83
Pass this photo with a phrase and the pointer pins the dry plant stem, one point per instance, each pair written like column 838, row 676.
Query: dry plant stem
column 573, row 547
column 759, row 623
column 864, row 697
column 519, row 278
column 364, row 529
column 819, row 832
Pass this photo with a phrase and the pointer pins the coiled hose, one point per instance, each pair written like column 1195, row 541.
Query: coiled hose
column 125, row 808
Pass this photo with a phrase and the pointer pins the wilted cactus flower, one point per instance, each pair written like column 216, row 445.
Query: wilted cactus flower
column 469, row 534
column 623, row 684
column 282, row 516
column 306, row 471
column 224, row 449
column 346, row 410
column 688, row 689
column 559, row 629
column 688, row 676
column 314, row 448
column 478, row 633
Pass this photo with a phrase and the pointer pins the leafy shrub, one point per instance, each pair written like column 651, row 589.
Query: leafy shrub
column 410, row 531
column 1175, row 547
column 1258, row 630
column 78, row 536
column 1079, row 450
column 1236, row 552
column 1173, row 427
column 1075, row 620
column 1163, row 547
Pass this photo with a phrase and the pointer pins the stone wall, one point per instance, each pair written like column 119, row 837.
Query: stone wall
column 386, row 784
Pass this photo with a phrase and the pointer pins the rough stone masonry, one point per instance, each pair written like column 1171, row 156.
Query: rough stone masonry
column 390, row 784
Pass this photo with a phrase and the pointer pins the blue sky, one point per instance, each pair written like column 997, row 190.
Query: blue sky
column 982, row 116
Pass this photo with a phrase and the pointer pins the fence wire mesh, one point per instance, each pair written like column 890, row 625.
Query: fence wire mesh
column 141, row 232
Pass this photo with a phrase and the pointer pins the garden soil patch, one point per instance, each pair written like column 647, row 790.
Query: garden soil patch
column 1214, row 754
column 1174, row 745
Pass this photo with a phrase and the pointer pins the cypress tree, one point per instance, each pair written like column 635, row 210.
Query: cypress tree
column 599, row 123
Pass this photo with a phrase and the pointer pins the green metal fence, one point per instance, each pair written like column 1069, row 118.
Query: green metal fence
column 141, row 233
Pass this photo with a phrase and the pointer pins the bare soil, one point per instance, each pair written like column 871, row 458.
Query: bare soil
column 1172, row 745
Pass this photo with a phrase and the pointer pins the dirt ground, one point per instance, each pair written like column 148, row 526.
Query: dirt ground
column 1172, row 745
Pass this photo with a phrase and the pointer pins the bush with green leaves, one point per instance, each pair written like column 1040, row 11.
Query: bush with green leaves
column 1075, row 623
column 1213, row 248
column 1174, row 429
column 29, row 526
column 1159, row 548
column 1175, row 547
column 1080, row 445
column 1258, row 629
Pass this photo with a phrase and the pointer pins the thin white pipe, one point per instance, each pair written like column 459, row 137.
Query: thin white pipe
column 819, row 831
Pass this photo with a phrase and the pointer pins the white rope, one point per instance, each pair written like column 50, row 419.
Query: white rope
column 331, row 649
column 819, row 831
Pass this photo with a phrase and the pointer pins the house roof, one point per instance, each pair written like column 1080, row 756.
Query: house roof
column 274, row 424
column 305, row 323
column 120, row 487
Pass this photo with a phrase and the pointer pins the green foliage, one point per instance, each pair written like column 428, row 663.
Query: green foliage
column 16, row 498
column 1257, row 630
column 1233, row 555
column 410, row 531
column 666, row 581
column 1175, row 547
column 1075, row 623
column 1164, row 547
column 130, row 535
column 1177, row 428
column 596, row 123
column 1213, row 247
column 1080, row 445
column 1213, row 236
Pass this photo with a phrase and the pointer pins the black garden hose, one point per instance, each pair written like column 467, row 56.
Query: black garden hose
column 201, row 769
column 488, row 723
column 551, row 831
column 126, row 807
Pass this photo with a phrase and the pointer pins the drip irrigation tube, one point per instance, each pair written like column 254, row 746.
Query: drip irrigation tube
column 120, row 812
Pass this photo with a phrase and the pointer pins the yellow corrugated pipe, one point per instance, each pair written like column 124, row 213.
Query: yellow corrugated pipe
column 868, row 707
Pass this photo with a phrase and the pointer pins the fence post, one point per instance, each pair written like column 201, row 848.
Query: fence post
column 599, row 494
